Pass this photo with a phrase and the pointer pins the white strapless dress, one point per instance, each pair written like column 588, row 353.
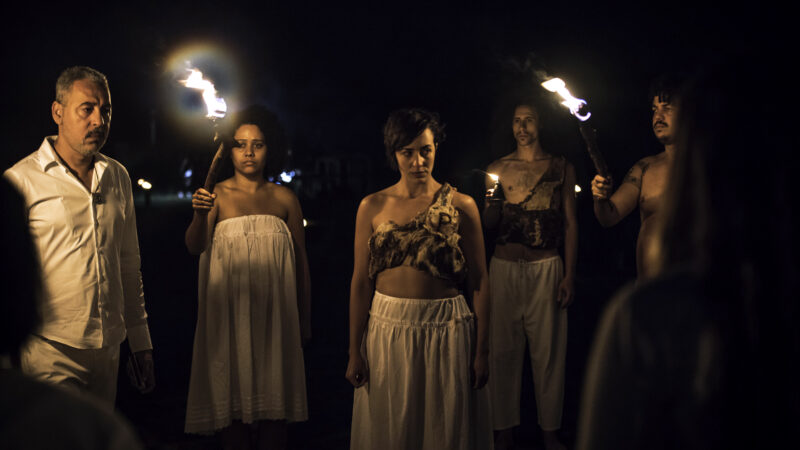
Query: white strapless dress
column 247, row 362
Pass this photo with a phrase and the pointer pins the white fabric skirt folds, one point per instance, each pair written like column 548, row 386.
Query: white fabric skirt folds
column 419, row 394
column 247, row 362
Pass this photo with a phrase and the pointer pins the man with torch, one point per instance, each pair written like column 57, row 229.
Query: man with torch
column 645, row 181
column 82, row 219
column 530, row 285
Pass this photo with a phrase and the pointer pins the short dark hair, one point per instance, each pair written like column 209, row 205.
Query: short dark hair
column 667, row 87
column 274, row 135
column 72, row 74
column 404, row 125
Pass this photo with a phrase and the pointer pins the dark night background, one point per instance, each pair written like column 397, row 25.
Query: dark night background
column 333, row 73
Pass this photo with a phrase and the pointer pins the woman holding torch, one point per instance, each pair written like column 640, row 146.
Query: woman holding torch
column 417, row 362
column 254, row 294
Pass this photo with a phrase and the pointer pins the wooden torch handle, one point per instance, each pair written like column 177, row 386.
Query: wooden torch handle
column 590, row 136
column 216, row 164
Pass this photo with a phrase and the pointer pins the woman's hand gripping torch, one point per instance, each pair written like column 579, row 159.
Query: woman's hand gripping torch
column 216, row 110
column 579, row 108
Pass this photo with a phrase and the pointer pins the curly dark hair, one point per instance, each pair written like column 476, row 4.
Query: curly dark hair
column 404, row 125
column 274, row 135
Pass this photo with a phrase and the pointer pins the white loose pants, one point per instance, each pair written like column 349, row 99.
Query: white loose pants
column 525, row 307
column 84, row 370
column 419, row 395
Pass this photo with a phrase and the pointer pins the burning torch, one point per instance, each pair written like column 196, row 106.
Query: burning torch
column 494, row 191
column 579, row 109
column 216, row 110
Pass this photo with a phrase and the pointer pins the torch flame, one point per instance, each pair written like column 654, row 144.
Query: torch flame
column 216, row 106
column 494, row 177
column 574, row 104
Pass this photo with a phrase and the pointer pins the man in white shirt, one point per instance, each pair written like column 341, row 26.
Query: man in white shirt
column 81, row 216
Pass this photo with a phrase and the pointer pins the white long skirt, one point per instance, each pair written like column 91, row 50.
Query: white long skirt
column 419, row 394
column 247, row 362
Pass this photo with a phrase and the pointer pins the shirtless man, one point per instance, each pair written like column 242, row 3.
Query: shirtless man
column 645, row 182
column 530, row 285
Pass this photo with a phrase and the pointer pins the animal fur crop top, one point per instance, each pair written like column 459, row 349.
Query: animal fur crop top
column 428, row 243
column 538, row 220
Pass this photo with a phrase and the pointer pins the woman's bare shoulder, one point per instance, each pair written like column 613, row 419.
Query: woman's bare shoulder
column 224, row 187
column 281, row 192
column 463, row 201
column 374, row 201
column 224, row 184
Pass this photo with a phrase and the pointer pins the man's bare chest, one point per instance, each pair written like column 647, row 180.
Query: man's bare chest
column 518, row 182
column 654, row 182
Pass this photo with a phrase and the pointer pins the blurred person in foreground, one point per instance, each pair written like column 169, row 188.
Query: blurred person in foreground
column 35, row 415
column 705, row 355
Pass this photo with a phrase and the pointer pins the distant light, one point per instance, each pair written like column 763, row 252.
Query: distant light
column 305, row 223
column 286, row 177
column 577, row 188
column 144, row 184
column 180, row 194
column 188, row 173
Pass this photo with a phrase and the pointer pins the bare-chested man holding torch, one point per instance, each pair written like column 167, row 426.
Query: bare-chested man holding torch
column 646, row 180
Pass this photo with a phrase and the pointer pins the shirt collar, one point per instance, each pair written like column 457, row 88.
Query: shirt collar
column 48, row 158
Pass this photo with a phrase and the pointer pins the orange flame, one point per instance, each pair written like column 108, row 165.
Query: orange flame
column 215, row 105
column 574, row 104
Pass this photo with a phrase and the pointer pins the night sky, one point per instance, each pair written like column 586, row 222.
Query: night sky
column 334, row 73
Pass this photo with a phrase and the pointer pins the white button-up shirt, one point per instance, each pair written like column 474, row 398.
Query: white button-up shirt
column 88, row 250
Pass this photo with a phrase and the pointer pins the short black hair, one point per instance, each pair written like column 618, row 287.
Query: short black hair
column 667, row 87
column 274, row 136
column 404, row 125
